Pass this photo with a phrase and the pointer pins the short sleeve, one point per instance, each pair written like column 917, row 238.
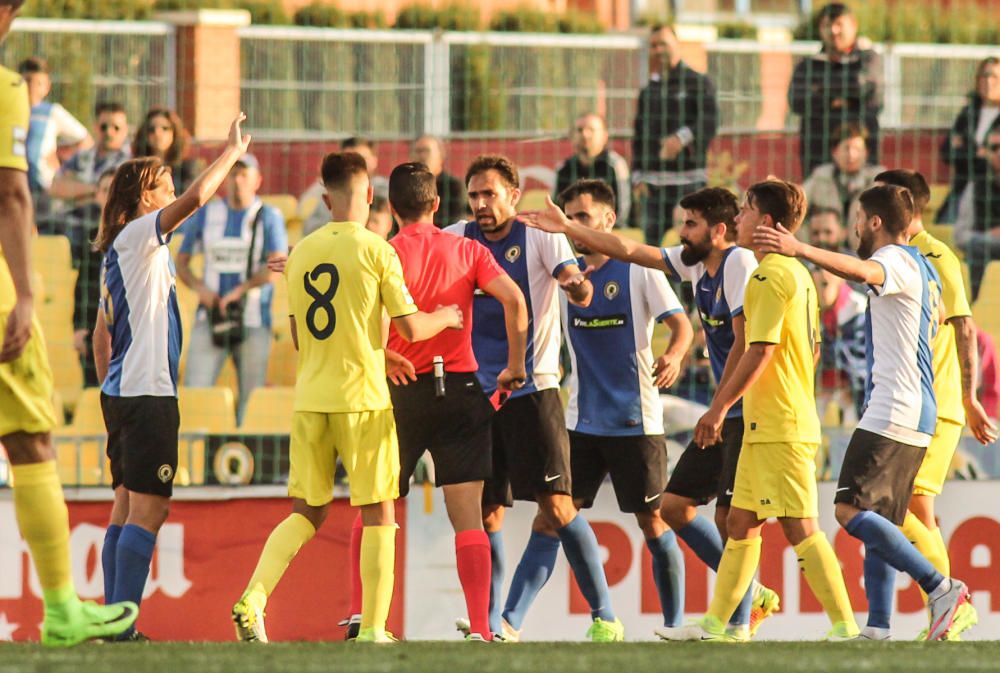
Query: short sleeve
column 554, row 251
column 193, row 230
column 677, row 269
column 15, row 115
column 395, row 296
column 485, row 265
column 737, row 272
column 660, row 297
column 766, row 300
column 896, row 267
column 956, row 301
column 69, row 131
column 141, row 236
column 458, row 229
column 275, row 233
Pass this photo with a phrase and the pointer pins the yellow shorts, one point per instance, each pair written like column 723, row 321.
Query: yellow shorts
column 777, row 480
column 26, row 387
column 366, row 444
column 937, row 460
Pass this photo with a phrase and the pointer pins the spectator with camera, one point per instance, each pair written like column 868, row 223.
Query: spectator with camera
column 235, row 291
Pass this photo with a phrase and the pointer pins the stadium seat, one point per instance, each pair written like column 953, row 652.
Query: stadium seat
column 80, row 446
column 283, row 360
column 269, row 410
column 944, row 233
column 286, row 203
column 293, row 226
column 203, row 411
column 65, row 362
column 986, row 311
column 939, row 192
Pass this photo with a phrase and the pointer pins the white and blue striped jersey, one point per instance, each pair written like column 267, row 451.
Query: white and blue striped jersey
column 901, row 323
column 611, row 389
column 223, row 234
column 139, row 304
column 533, row 259
column 719, row 299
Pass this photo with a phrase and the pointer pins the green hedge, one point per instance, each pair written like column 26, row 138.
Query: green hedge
column 926, row 21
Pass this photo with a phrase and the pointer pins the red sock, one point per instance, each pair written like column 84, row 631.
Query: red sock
column 356, row 530
column 472, row 551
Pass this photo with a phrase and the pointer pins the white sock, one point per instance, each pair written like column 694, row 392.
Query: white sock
column 875, row 633
column 940, row 590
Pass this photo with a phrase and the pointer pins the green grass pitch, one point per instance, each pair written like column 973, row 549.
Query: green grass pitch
column 521, row 658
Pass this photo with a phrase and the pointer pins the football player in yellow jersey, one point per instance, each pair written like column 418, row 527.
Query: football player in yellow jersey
column 776, row 474
column 340, row 278
column 955, row 364
column 26, row 413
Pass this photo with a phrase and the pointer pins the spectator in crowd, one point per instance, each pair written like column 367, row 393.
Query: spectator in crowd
column 965, row 147
column 842, row 84
column 594, row 160
column 838, row 184
column 989, row 374
column 82, row 224
column 843, row 364
column 76, row 181
column 676, row 119
column 826, row 230
column 320, row 214
column 977, row 227
column 236, row 236
column 52, row 129
column 380, row 219
column 162, row 134
column 429, row 150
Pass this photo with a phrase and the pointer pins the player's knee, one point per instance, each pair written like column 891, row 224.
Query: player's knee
column 845, row 513
column 674, row 511
column 721, row 521
column 493, row 518
column 558, row 509
column 797, row 530
column 651, row 524
column 25, row 448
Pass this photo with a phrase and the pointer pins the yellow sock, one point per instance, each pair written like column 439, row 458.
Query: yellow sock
column 378, row 559
column 281, row 547
column 44, row 522
column 928, row 542
column 739, row 562
column 822, row 570
column 940, row 555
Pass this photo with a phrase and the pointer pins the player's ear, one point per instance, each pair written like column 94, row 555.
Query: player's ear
column 437, row 204
column 371, row 194
column 326, row 201
column 515, row 196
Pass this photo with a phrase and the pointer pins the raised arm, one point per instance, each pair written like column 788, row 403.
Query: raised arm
column 553, row 220
column 206, row 184
column 779, row 240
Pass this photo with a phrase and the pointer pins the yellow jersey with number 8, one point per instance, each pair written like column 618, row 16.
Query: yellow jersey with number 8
column 781, row 308
column 15, row 114
column 340, row 278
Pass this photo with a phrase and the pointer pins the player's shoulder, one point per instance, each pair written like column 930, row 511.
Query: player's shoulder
column 457, row 229
column 938, row 252
column 779, row 272
column 740, row 259
column 11, row 81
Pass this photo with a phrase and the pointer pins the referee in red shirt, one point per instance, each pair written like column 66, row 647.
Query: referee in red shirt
column 446, row 411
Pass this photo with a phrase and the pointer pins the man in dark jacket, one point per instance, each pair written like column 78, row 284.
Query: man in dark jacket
column 595, row 160
column 977, row 226
column 429, row 150
column 676, row 119
column 842, row 84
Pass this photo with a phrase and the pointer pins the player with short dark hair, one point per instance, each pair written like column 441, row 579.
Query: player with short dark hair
column 339, row 279
column 437, row 400
column 888, row 446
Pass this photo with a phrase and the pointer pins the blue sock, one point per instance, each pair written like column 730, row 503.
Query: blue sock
column 108, row 561
column 584, row 556
column 668, row 573
column 496, row 580
column 704, row 539
column 532, row 572
column 881, row 536
column 880, row 583
column 132, row 559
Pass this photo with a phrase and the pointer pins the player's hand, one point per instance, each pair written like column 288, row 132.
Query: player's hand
column 709, row 428
column 572, row 284
column 666, row 369
column 399, row 370
column 511, row 379
column 778, row 240
column 670, row 147
column 233, row 295
column 80, row 341
column 979, row 422
column 454, row 315
column 18, row 330
column 276, row 262
column 551, row 218
column 207, row 298
column 236, row 139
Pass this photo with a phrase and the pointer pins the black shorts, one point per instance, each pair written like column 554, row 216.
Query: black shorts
column 142, row 442
column 454, row 428
column 637, row 464
column 530, row 450
column 703, row 474
column 877, row 475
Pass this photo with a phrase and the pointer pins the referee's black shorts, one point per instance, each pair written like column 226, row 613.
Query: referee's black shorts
column 454, row 428
column 703, row 474
column 142, row 442
column 878, row 474
column 530, row 449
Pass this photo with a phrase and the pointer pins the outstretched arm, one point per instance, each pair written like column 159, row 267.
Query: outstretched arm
column 779, row 240
column 421, row 326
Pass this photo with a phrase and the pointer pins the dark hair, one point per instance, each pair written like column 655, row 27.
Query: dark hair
column 106, row 173
column 826, row 210
column 784, row 201
column 178, row 150
column 494, row 162
column 599, row 192
column 340, row 168
column 911, row 180
column 833, row 11
column 892, row 204
column 848, row 131
column 412, row 190
column 132, row 178
column 717, row 205
column 980, row 67
column 32, row 66
column 657, row 27
column 356, row 141
column 108, row 106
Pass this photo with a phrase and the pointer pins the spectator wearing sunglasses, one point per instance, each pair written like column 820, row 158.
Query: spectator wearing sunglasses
column 76, row 182
column 162, row 134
